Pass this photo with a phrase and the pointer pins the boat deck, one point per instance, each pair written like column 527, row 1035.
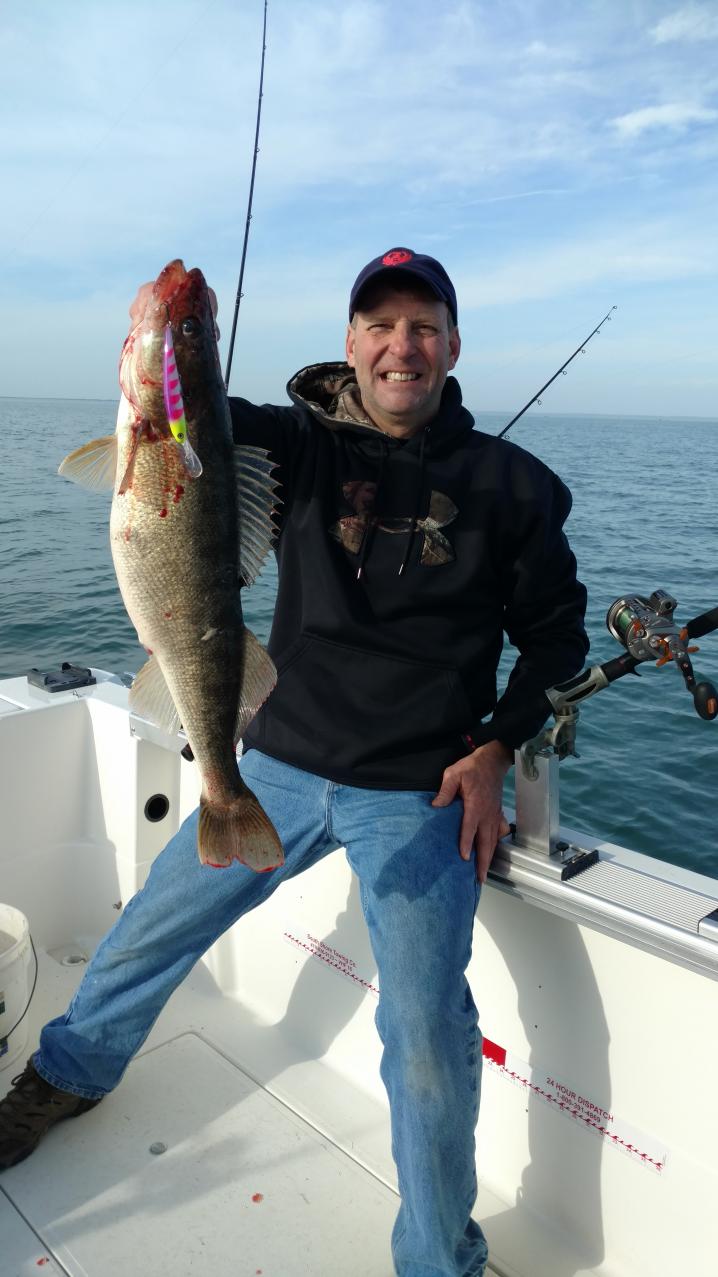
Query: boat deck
column 192, row 1165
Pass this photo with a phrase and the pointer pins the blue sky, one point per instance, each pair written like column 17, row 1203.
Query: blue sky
column 558, row 157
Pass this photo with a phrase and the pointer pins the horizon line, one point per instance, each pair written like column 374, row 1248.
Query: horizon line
column 486, row 412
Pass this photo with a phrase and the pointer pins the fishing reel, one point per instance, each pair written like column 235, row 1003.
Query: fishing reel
column 647, row 629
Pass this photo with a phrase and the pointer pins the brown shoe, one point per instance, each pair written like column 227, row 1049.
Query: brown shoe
column 29, row 1110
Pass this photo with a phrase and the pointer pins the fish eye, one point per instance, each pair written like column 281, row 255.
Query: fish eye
column 190, row 326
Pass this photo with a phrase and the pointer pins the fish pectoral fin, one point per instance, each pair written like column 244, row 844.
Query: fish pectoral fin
column 94, row 465
column 257, row 503
column 150, row 698
column 259, row 678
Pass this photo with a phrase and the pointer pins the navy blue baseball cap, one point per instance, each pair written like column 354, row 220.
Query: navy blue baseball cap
column 427, row 269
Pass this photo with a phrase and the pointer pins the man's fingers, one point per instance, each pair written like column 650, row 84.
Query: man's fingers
column 139, row 305
column 487, row 837
column 468, row 834
column 485, row 846
column 447, row 793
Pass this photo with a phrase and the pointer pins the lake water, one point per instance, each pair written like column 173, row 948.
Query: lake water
column 645, row 516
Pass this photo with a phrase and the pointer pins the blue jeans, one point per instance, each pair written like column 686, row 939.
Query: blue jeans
column 419, row 898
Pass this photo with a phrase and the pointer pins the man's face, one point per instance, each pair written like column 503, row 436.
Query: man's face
column 401, row 350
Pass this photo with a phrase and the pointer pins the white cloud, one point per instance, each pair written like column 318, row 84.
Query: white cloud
column 642, row 254
column 672, row 115
column 693, row 23
column 122, row 144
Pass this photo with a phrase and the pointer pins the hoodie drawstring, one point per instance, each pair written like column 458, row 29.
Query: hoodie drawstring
column 417, row 508
column 371, row 524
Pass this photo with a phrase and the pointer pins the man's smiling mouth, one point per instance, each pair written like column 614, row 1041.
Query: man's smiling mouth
column 400, row 376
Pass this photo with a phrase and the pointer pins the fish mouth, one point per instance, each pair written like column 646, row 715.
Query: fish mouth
column 178, row 292
column 174, row 297
column 171, row 299
column 175, row 294
column 169, row 279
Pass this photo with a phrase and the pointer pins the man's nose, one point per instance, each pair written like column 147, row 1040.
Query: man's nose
column 402, row 342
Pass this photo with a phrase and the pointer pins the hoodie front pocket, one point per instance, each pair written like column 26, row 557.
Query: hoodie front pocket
column 354, row 708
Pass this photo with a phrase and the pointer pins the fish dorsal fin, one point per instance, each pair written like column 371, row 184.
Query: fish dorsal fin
column 257, row 503
column 94, row 465
column 150, row 698
column 258, row 679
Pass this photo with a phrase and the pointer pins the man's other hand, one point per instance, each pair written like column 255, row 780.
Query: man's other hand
column 478, row 780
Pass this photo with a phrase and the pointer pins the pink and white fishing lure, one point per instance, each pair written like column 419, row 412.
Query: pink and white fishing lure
column 174, row 407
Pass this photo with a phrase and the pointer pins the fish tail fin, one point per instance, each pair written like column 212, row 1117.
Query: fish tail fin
column 240, row 830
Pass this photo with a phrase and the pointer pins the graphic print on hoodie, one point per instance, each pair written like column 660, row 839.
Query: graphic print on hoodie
column 360, row 497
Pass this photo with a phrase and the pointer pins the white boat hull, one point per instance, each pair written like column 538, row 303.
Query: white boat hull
column 598, row 1127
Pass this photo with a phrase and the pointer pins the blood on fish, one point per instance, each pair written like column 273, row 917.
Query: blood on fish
column 179, row 492
column 163, row 513
column 258, row 1197
column 168, row 616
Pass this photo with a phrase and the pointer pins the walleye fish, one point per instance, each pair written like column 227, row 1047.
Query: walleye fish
column 191, row 521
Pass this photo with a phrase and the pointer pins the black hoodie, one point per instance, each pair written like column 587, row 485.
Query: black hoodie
column 400, row 564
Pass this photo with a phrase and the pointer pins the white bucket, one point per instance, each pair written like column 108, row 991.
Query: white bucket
column 14, row 982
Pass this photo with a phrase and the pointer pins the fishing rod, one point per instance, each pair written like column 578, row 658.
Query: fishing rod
column 537, row 397
column 249, row 202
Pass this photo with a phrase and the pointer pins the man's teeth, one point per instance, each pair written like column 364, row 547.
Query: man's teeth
column 401, row 376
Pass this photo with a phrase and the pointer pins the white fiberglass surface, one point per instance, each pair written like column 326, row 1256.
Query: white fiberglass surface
column 241, row 1181
column 21, row 1250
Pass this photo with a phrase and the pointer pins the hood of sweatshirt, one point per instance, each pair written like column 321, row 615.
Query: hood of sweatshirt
column 331, row 393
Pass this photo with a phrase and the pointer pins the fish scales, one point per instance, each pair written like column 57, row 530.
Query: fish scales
column 178, row 574
column 175, row 536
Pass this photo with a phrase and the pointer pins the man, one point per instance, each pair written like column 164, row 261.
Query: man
column 409, row 542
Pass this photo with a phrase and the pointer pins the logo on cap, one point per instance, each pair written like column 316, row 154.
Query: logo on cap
column 397, row 257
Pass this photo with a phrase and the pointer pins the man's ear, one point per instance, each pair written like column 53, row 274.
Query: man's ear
column 350, row 346
column 454, row 347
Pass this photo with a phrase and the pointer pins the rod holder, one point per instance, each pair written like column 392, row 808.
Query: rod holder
column 537, row 802
column 536, row 843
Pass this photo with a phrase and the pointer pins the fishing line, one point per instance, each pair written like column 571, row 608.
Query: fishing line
column 82, row 164
column 514, row 360
column 249, row 203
